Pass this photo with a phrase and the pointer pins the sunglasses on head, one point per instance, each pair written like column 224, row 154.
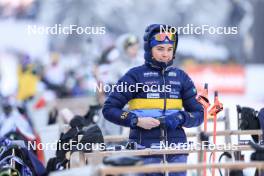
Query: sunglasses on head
column 162, row 36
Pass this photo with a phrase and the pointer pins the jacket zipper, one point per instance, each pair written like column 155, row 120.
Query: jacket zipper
column 165, row 95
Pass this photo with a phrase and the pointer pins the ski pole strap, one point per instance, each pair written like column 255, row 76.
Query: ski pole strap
column 203, row 97
column 203, row 100
column 216, row 109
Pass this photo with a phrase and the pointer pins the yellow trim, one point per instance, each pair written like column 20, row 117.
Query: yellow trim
column 154, row 103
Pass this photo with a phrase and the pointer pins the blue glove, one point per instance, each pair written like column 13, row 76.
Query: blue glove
column 174, row 120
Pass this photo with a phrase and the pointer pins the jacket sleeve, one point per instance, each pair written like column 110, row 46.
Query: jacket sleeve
column 123, row 91
column 193, row 110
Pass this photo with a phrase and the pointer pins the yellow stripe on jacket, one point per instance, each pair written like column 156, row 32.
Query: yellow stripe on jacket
column 154, row 103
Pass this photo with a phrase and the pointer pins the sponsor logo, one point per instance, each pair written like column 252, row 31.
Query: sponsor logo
column 124, row 115
column 172, row 74
column 174, row 96
column 151, row 74
column 151, row 82
column 175, row 82
column 153, row 95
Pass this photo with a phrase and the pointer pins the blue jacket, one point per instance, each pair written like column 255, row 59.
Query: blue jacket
column 154, row 104
column 175, row 92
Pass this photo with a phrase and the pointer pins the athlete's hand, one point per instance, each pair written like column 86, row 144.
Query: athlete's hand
column 147, row 122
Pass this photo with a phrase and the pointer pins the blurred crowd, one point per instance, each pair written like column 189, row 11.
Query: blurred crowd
column 24, row 77
column 25, row 80
column 19, row 9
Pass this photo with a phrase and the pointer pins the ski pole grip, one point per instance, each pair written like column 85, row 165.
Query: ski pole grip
column 216, row 93
column 206, row 86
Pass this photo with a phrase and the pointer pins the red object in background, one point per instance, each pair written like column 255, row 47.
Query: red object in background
column 40, row 103
column 227, row 79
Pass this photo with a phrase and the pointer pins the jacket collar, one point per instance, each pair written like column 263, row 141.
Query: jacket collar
column 157, row 67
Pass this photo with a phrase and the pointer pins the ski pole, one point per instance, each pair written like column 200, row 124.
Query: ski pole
column 202, row 98
column 217, row 107
column 163, row 137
